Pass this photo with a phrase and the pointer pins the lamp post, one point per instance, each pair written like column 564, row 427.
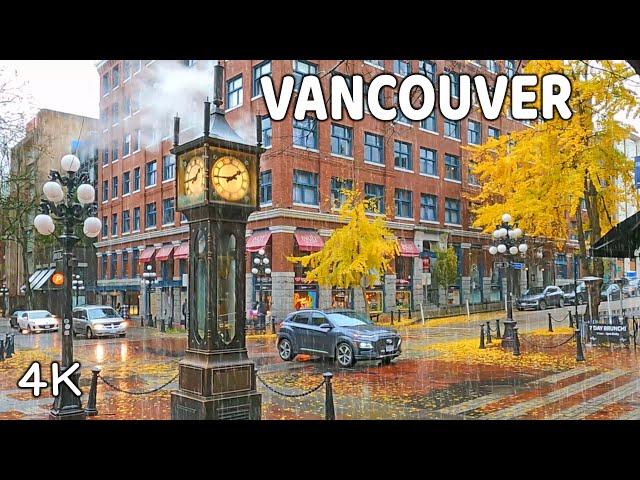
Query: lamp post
column 69, row 213
column 77, row 285
column 5, row 291
column 149, row 278
column 260, row 270
column 506, row 237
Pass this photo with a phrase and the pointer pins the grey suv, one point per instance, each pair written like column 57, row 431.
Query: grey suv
column 98, row 321
column 344, row 335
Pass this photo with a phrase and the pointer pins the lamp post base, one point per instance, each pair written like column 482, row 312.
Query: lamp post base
column 508, row 336
column 67, row 406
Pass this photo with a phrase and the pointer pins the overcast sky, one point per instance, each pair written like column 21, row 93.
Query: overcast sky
column 72, row 86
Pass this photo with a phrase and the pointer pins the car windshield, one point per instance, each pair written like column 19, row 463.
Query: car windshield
column 347, row 319
column 40, row 314
column 98, row 313
column 534, row 291
column 567, row 288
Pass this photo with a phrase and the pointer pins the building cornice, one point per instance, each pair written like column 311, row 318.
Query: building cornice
column 141, row 237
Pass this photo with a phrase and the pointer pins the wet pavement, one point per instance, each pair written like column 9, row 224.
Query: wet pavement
column 442, row 374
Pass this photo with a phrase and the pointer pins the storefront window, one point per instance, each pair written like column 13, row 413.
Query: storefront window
column 342, row 298
column 403, row 299
column 305, row 296
column 496, row 286
column 375, row 301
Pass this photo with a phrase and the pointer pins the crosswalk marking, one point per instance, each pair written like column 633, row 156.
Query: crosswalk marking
column 595, row 404
column 522, row 408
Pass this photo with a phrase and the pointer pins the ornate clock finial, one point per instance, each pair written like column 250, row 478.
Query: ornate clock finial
column 218, row 76
column 207, row 116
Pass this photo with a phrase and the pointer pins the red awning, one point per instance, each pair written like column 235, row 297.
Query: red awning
column 408, row 249
column 309, row 240
column 258, row 240
column 164, row 253
column 147, row 254
column 182, row 252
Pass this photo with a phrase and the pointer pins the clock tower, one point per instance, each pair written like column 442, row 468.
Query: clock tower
column 216, row 189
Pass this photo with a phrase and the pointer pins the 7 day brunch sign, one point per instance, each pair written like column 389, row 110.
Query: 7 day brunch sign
column 605, row 333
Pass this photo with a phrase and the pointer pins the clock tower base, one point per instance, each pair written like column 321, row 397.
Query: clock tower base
column 217, row 385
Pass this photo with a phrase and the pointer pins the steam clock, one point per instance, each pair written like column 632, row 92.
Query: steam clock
column 217, row 189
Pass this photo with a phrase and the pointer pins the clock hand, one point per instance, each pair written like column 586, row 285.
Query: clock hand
column 234, row 176
column 194, row 177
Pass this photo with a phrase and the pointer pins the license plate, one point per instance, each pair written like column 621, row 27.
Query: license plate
column 389, row 348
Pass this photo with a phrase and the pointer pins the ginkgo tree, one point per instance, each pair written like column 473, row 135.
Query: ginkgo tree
column 358, row 253
column 543, row 174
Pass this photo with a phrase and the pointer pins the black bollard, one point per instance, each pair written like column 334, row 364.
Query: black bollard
column 579, row 352
column 391, row 317
column 329, row 410
column 550, row 324
column 570, row 320
column 91, row 410
column 481, row 336
column 142, row 320
column 516, row 342
column 1, row 350
column 498, row 328
column 410, row 314
column 273, row 324
column 9, row 345
column 488, row 332
column 162, row 329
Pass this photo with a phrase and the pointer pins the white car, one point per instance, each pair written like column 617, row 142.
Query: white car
column 38, row 321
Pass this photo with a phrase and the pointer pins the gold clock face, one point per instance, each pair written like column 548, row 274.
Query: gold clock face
column 194, row 176
column 230, row 179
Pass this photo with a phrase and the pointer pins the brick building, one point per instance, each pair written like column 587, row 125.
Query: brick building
column 419, row 171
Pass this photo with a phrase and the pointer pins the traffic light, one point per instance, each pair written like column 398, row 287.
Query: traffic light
column 57, row 279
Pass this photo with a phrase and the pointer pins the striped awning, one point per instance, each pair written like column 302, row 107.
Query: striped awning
column 408, row 248
column 182, row 252
column 258, row 240
column 309, row 240
column 147, row 254
column 164, row 253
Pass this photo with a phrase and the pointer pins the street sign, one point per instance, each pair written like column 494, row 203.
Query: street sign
column 637, row 172
column 501, row 264
column 605, row 334
column 517, row 266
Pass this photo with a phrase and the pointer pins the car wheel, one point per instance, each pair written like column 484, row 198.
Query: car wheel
column 344, row 355
column 285, row 350
column 89, row 333
column 386, row 361
column 542, row 305
column 561, row 303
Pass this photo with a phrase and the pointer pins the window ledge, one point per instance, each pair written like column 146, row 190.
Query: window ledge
column 268, row 204
column 114, row 198
column 256, row 97
column 405, row 218
column 295, row 204
column 452, row 138
column 125, row 156
column 375, row 164
column 429, row 131
column 374, row 65
column 150, row 228
column 451, row 180
column 453, row 224
column 337, row 155
column 168, row 180
column 233, row 108
column 149, row 186
column 430, row 222
column 125, row 195
column 168, row 224
column 399, row 169
column 314, row 150
column 428, row 175
column 135, row 231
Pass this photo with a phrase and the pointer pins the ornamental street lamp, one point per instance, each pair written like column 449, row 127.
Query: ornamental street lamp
column 77, row 286
column 69, row 213
column 5, row 291
column 506, row 238
column 149, row 280
column 261, row 270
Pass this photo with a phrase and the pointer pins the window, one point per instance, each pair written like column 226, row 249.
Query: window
column 104, row 118
column 135, row 101
column 492, row 66
column 377, row 63
column 126, row 145
column 365, row 96
column 114, row 224
column 137, row 65
column 127, row 106
column 126, row 221
column 105, row 84
column 150, row 177
column 455, row 83
column 105, row 156
column 125, row 264
column 104, row 267
column 493, row 132
column 136, row 140
column 428, row 69
column 168, row 211
column 150, row 216
column 471, row 178
column 474, row 132
column 404, row 203
column 452, row 128
column 115, row 77
column 452, row 211
column 265, row 186
column 302, row 68
column 114, row 151
column 114, row 265
column 266, row 131
column 105, row 227
column 373, row 148
column 136, row 219
column 136, row 179
column 510, row 67
column 114, row 187
column 341, row 140
column 428, row 161
column 400, row 117
column 376, row 193
column 126, row 183
column 105, row 190
column 127, row 69
column 115, row 113
column 402, row 155
column 402, row 67
column 451, row 167
column 168, row 167
column 305, row 133
column 305, row 187
column 183, row 218
column 234, row 92
column 430, row 123
column 261, row 70
column 135, row 255
column 428, row 208
column 337, row 187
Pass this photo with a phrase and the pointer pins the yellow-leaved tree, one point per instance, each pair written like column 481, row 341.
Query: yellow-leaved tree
column 543, row 174
column 357, row 254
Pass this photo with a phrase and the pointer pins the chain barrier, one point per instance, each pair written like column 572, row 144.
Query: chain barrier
column 290, row 395
column 548, row 346
column 137, row 393
column 561, row 320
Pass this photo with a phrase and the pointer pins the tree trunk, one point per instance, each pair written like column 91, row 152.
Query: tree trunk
column 597, row 267
column 25, row 266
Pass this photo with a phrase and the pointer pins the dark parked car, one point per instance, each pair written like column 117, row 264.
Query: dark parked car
column 570, row 294
column 540, row 298
column 344, row 335
column 13, row 319
column 610, row 291
column 629, row 287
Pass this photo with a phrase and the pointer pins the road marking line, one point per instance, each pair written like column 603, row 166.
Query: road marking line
column 522, row 408
column 595, row 404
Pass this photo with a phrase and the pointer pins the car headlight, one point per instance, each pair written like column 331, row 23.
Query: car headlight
column 366, row 345
column 364, row 337
column 399, row 342
column 124, row 324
